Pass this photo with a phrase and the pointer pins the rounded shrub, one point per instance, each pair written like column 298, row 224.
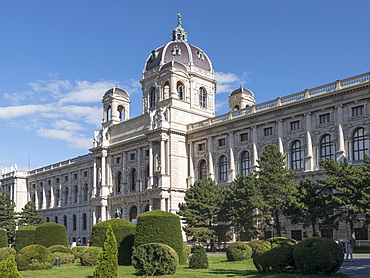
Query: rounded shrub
column 274, row 255
column 123, row 230
column 8, row 268
column 155, row 259
column 158, row 226
column 25, row 236
column 6, row 252
column 50, row 233
column 60, row 249
column 65, row 258
column 3, row 238
column 254, row 243
column 186, row 249
column 318, row 255
column 238, row 251
column 90, row 256
column 34, row 257
column 198, row 258
column 78, row 250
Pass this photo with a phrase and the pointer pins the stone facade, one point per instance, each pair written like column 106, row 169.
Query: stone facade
column 148, row 162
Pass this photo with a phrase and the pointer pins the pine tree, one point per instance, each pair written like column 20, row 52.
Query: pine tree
column 8, row 268
column 203, row 201
column 7, row 215
column 348, row 190
column 107, row 266
column 275, row 183
column 30, row 216
column 239, row 209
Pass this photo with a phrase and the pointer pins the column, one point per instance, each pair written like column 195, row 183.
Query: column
column 254, row 142
column 191, row 164
column 150, row 183
column 139, row 174
column 280, row 135
column 95, row 182
column 211, row 173
column 232, row 172
column 309, row 158
column 124, row 173
column 341, row 152
column 163, row 158
column 103, row 173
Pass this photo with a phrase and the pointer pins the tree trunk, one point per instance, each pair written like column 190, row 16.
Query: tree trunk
column 277, row 224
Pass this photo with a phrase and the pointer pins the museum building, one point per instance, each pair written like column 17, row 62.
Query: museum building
column 148, row 162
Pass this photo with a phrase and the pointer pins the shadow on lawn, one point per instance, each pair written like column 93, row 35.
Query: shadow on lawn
column 234, row 272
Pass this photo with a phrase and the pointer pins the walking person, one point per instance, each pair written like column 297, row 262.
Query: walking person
column 349, row 250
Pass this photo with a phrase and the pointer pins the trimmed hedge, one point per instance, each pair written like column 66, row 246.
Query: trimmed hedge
column 155, row 259
column 60, row 249
column 6, row 252
column 254, row 243
column 25, row 236
column 90, row 256
column 123, row 230
column 50, row 233
column 65, row 258
column 186, row 249
column 318, row 255
column 238, row 251
column 274, row 255
column 78, row 250
column 198, row 258
column 158, row 226
column 8, row 268
column 3, row 238
column 34, row 257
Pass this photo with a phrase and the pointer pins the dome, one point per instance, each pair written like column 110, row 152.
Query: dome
column 118, row 91
column 241, row 90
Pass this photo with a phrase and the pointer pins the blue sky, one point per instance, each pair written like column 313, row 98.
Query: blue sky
column 58, row 58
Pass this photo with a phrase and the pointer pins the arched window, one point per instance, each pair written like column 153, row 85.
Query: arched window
column 202, row 97
column 180, row 91
column 56, row 219
column 47, row 219
column 133, row 179
column 121, row 113
column 109, row 113
column 297, row 155
column 86, row 192
column 146, row 208
column 236, row 108
column 202, row 173
column 57, row 198
column 66, row 193
column 65, row 220
column 118, row 182
column 74, row 222
column 152, row 97
column 146, row 177
column 75, row 194
column 359, row 145
column 84, row 221
column 48, row 199
column 326, row 147
column 133, row 213
column 222, row 168
column 245, row 163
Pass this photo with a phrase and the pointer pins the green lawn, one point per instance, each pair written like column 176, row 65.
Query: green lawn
column 218, row 267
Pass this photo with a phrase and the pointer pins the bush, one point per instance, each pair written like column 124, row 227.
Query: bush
column 60, row 249
column 65, row 258
column 34, row 257
column 25, row 236
column 3, row 238
column 186, row 250
column 78, row 250
column 238, row 251
column 90, row 256
column 124, row 232
column 198, row 258
column 155, row 259
column 274, row 255
column 107, row 266
column 160, row 227
column 8, row 268
column 254, row 243
column 318, row 255
column 50, row 233
column 6, row 252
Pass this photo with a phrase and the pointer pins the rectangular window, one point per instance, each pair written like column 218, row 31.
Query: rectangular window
column 41, row 184
column 118, row 160
column 33, row 185
column 57, row 180
column 325, row 118
column 132, row 156
column 296, row 234
column 85, row 174
column 66, row 178
column 76, row 176
column 267, row 131
column 244, row 136
column 49, row 182
column 221, row 142
column 294, row 125
column 146, row 153
column 201, row 147
column 357, row 111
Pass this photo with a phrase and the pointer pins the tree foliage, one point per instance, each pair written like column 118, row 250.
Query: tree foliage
column 275, row 184
column 200, row 211
column 30, row 216
column 7, row 215
column 347, row 190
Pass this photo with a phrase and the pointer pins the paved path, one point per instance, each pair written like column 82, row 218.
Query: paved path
column 359, row 268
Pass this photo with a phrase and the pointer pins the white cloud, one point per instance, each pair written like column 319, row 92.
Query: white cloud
column 226, row 82
column 75, row 141
column 67, row 125
column 22, row 110
column 220, row 105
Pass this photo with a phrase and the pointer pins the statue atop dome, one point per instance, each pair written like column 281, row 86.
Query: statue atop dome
column 179, row 23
